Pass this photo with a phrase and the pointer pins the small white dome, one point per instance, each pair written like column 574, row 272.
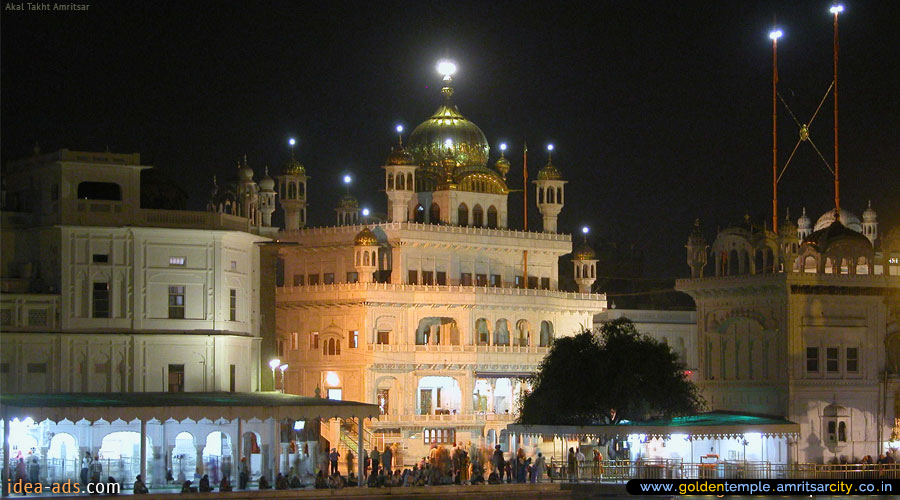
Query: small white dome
column 869, row 214
column 848, row 219
column 267, row 183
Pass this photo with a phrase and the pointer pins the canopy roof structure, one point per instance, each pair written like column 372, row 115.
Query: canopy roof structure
column 712, row 425
column 144, row 406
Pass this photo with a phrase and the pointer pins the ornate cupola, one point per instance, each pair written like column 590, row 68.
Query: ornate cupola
column 502, row 164
column 292, row 193
column 347, row 210
column 696, row 251
column 267, row 198
column 870, row 223
column 365, row 255
column 550, row 192
column 399, row 181
column 584, row 262
column 804, row 226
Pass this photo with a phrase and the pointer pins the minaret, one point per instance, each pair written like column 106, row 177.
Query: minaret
column 584, row 263
column 399, row 181
column 292, row 193
column 550, row 196
column 365, row 255
column 248, row 193
column 804, row 226
column 870, row 223
column 790, row 242
column 267, row 199
column 696, row 251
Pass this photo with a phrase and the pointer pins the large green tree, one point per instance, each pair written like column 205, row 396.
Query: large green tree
column 616, row 374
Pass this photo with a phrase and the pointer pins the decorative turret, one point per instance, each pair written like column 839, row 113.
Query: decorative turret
column 248, row 193
column 400, row 182
column 870, row 223
column 790, row 241
column 267, row 198
column 550, row 196
column 584, row 263
column 502, row 164
column 365, row 255
column 804, row 226
column 292, row 193
column 696, row 251
column 347, row 210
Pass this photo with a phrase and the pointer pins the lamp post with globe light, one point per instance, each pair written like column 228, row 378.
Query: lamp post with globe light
column 273, row 364
column 283, row 368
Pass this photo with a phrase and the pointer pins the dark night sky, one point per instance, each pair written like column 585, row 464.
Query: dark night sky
column 660, row 111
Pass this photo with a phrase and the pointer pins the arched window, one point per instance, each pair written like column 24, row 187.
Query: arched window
column 99, row 191
column 546, row 333
column 842, row 432
column 540, row 196
column 462, row 213
column 409, row 181
column 291, row 191
column 559, row 198
column 301, row 189
column 390, row 181
column 477, row 216
column 550, row 195
column 365, row 258
column 501, row 332
column 492, row 217
column 481, row 327
column 400, row 183
column 420, row 214
column 434, row 215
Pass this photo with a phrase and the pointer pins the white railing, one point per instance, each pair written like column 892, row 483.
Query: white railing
column 391, row 287
column 410, row 348
column 193, row 219
column 460, row 418
column 433, row 228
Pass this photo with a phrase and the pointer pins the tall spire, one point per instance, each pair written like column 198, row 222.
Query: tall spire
column 837, row 9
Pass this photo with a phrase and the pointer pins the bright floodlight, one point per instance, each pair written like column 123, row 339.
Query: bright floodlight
column 446, row 67
column 836, row 9
column 283, row 367
column 365, row 212
column 448, row 143
column 275, row 363
column 549, row 147
column 775, row 35
column 502, row 146
column 399, row 128
column 585, row 230
column 292, row 141
column 347, row 179
column 332, row 379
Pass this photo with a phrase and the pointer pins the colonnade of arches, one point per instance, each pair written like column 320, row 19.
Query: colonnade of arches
column 476, row 217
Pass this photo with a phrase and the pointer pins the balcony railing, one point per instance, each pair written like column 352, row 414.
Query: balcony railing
column 29, row 311
column 434, row 228
column 456, row 418
column 391, row 287
column 399, row 348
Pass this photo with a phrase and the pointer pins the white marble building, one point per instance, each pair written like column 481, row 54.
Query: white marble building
column 101, row 295
column 803, row 324
column 438, row 313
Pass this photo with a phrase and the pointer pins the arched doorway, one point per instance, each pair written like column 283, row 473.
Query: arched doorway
column 217, row 456
column 492, row 217
column 434, row 215
column 462, row 214
column 120, row 456
column 62, row 458
column 184, row 457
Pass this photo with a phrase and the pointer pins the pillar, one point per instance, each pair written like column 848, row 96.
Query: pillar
column 144, row 450
column 6, row 476
column 45, row 450
column 360, row 462
column 275, row 460
column 201, row 467
column 159, row 468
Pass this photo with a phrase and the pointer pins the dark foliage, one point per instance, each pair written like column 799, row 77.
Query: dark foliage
column 617, row 374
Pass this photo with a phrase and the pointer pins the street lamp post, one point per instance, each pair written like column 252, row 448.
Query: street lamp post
column 275, row 363
column 282, row 368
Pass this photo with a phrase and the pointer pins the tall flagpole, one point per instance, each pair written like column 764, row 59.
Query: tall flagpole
column 525, row 198
column 837, row 9
column 774, row 35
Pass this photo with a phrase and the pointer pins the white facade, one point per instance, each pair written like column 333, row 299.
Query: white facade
column 805, row 328
column 102, row 295
column 677, row 329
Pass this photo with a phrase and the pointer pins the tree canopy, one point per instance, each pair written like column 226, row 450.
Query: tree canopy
column 614, row 375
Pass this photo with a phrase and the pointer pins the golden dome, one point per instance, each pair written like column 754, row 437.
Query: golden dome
column 365, row 238
column 348, row 201
column 549, row 173
column 502, row 166
column 584, row 252
column 428, row 142
column 400, row 156
column 294, row 167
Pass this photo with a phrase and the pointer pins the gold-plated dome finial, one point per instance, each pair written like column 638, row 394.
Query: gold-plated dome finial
column 502, row 164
